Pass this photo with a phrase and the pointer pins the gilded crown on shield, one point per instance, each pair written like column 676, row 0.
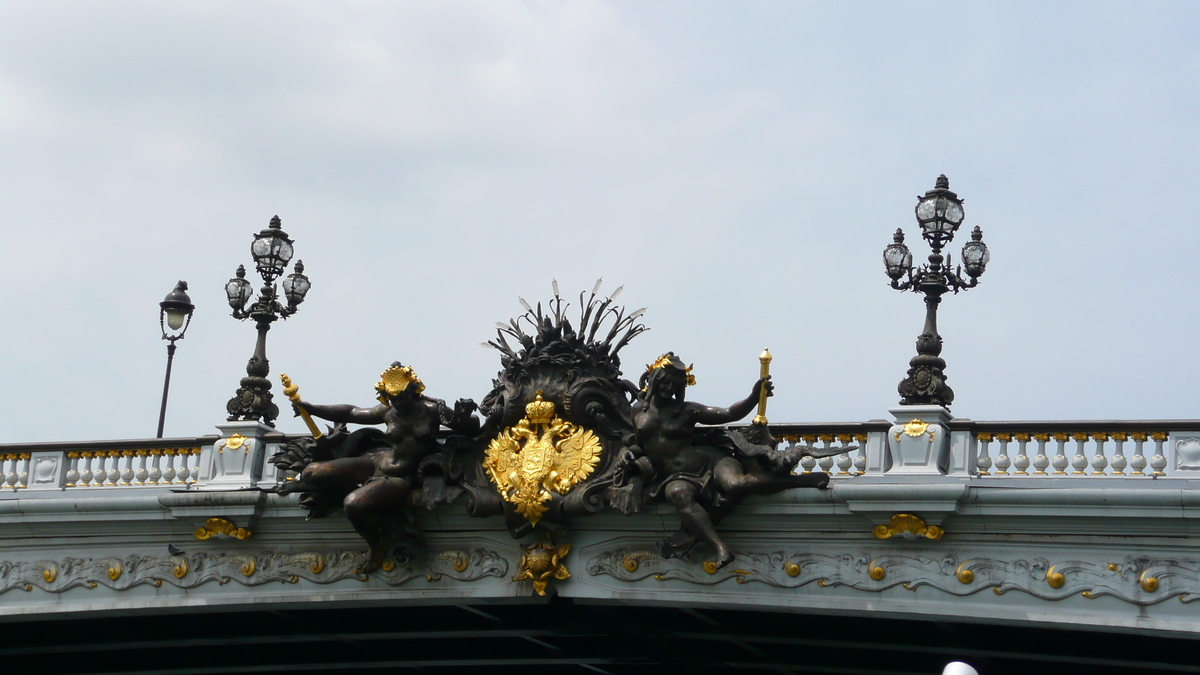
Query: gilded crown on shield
column 540, row 411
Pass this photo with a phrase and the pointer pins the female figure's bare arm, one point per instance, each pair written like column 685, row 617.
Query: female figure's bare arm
column 346, row 413
column 705, row 414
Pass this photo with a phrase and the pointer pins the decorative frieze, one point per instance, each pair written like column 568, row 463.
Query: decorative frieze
column 1137, row 580
column 247, row 569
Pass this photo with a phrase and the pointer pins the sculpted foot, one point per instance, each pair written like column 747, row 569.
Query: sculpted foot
column 375, row 559
column 724, row 556
column 809, row 480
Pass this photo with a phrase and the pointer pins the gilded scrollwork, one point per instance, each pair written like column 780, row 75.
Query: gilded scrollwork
column 1138, row 581
column 247, row 569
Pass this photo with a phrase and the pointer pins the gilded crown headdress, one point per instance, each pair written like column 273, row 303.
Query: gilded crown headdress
column 669, row 360
column 540, row 411
column 396, row 379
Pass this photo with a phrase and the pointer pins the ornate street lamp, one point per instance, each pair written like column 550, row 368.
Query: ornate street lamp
column 939, row 214
column 272, row 251
column 175, row 313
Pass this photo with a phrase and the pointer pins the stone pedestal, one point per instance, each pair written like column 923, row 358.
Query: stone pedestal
column 919, row 441
column 47, row 471
column 235, row 460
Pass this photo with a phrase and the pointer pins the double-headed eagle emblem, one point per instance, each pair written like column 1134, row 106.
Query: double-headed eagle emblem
column 539, row 456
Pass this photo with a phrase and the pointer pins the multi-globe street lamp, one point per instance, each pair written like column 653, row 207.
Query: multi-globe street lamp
column 939, row 213
column 272, row 251
column 174, row 313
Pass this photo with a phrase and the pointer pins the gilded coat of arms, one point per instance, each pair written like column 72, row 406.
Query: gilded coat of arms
column 539, row 457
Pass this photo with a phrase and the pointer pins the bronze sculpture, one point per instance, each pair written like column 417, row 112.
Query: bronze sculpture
column 377, row 477
column 564, row 436
column 703, row 473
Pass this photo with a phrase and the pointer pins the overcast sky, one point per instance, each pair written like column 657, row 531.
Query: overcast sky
column 738, row 167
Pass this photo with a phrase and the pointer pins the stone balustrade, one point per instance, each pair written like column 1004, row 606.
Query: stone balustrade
column 1129, row 449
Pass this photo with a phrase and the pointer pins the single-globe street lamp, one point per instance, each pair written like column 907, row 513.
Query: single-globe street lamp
column 271, row 250
column 174, row 313
column 939, row 213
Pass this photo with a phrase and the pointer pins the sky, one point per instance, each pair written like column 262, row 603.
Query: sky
column 737, row 167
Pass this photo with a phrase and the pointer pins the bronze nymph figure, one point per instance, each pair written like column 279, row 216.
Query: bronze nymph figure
column 377, row 477
column 703, row 473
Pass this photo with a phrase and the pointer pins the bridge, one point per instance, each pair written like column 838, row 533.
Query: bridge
column 540, row 538
column 1066, row 544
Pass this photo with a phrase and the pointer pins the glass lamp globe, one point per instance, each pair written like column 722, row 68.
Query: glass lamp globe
column 897, row 259
column 296, row 285
column 176, row 309
column 939, row 213
column 238, row 290
column 272, row 250
column 975, row 255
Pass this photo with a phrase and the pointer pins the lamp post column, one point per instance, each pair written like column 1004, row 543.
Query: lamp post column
column 925, row 383
column 175, row 312
column 918, row 443
column 272, row 251
column 162, row 411
column 253, row 400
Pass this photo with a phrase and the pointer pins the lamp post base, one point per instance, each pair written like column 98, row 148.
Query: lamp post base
column 253, row 402
column 926, row 380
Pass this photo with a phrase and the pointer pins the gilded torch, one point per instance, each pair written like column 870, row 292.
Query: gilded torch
column 765, row 360
column 293, row 393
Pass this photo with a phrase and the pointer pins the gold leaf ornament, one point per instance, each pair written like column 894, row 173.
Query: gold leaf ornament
column 396, row 379
column 542, row 561
column 907, row 523
column 539, row 457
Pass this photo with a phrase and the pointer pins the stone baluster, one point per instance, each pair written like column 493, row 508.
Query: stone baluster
column 1099, row 461
column 1002, row 461
column 114, row 468
column 983, row 462
column 844, row 461
column 1159, row 461
column 807, row 464
column 99, row 474
column 1041, row 461
column 127, row 472
column 826, row 463
column 860, row 462
column 1118, row 461
column 141, row 473
column 72, row 469
column 1080, row 461
column 1060, row 453
column 168, row 466
column 192, row 462
column 9, row 475
column 87, row 477
column 153, row 472
column 85, row 468
column 23, row 470
column 1021, row 463
column 182, row 472
column 1138, row 461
